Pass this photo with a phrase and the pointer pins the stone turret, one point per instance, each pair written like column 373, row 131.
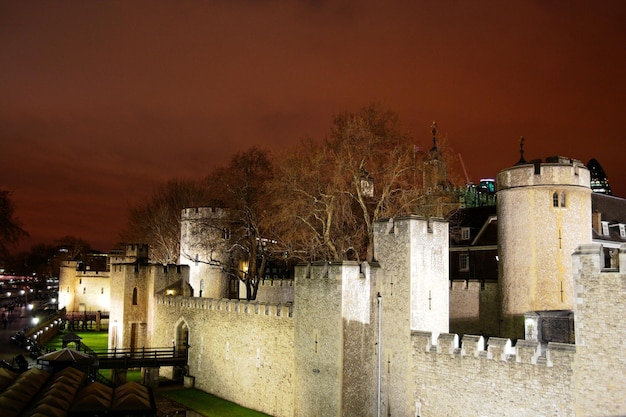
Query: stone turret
column 544, row 213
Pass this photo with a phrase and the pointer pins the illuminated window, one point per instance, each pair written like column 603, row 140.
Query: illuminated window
column 605, row 228
column 465, row 233
column 622, row 231
column 464, row 262
column 135, row 296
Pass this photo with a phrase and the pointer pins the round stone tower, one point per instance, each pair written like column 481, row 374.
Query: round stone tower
column 204, row 244
column 544, row 214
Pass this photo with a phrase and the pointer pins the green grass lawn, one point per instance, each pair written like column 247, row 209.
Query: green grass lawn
column 207, row 404
column 95, row 340
column 200, row 401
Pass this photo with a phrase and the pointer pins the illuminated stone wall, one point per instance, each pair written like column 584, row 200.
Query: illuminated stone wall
column 84, row 290
column 203, row 241
column 536, row 238
column 241, row 351
column 474, row 307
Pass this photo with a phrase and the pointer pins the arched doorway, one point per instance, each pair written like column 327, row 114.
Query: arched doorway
column 182, row 338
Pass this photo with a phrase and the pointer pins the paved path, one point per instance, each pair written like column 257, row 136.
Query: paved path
column 18, row 320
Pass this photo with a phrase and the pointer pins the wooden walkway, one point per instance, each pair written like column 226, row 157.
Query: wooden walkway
column 139, row 358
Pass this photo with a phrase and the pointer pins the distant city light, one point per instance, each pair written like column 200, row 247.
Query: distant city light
column 35, row 321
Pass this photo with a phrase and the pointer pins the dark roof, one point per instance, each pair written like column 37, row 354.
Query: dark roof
column 64, row 393
column 613, row 210
column 476, row 219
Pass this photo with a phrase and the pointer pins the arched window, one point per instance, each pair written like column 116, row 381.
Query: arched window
column 563, row 199
column 201, row 287
column 135, row 296
column 555, row 199
column 84, row 290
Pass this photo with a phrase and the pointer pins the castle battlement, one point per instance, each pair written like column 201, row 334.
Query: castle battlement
column 593, row 255
column 497, row 349
column 243, row 307
column 326, row 270
column 556, row 170
column 268, row 282
column 196, row 213
column 470, row 284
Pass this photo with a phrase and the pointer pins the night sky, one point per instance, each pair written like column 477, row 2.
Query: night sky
column 102, row 100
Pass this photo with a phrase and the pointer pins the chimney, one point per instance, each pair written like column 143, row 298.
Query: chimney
column 596, row 221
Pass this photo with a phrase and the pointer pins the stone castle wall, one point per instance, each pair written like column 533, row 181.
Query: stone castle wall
column 586, row 379
column 272, row 291
column 241, row 351
column 600, row 333
column 203, row 242
column 474, row 307
column 469, row 380
column 544, row 213
column 84, row 290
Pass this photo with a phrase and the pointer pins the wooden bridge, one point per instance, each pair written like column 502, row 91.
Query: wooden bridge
column 139, row 358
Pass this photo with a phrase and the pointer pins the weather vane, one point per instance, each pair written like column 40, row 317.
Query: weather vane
column 521, row 151
column 433, row 129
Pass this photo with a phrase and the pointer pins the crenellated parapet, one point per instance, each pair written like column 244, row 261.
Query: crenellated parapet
column 494, row 349
column 197, row 213
column 242, row 307
column 276, row 283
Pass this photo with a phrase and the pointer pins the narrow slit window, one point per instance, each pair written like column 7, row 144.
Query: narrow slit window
column 555, row 199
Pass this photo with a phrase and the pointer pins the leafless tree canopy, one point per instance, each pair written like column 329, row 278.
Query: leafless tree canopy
column 329, row 194
column 10, row 228
column 156, row 221
column 318, row 201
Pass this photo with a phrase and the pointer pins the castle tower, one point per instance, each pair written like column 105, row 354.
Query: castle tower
column 434, row 176
column 414, row 293
column 544, row 213
column 204, row 244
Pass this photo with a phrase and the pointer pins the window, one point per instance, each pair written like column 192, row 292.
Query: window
column 622, row 231
column 464, row 262
column 605, row 228
column 226, row 233
column 555, row 199
column 84, row 290
column 102, row 290
column 135, row 296
column 465, row 233
column 562, row 199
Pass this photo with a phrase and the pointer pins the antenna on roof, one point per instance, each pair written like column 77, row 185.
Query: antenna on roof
column 521, row 152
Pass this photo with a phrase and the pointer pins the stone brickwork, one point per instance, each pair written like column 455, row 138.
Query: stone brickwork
column 600, row 333
column 276, row 291
column 469, row 380
column 475, row 307
column 84, row 290
column 362, row 336
column 204, row 241
column 544, row 213
column 414, row 288
column 241, row 351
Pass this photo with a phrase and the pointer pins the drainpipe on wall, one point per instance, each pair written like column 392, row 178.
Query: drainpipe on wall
column 380, row 340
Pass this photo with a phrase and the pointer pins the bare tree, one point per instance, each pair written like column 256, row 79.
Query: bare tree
column 329, row 195
column 10, row 227
column 156, row 221
column 233, row 238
